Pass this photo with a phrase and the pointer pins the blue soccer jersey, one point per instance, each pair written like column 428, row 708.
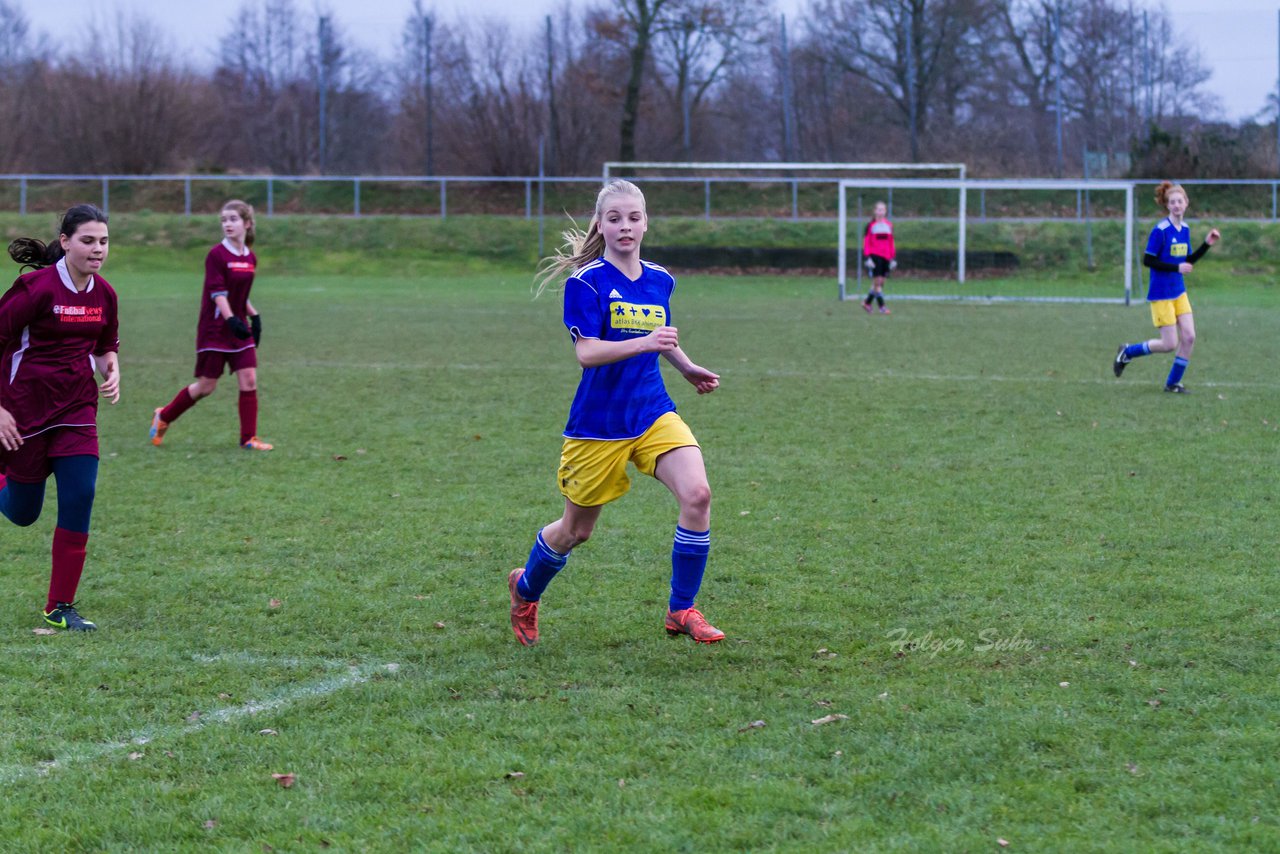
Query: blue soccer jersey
column 620, row 400
column 1171, row 245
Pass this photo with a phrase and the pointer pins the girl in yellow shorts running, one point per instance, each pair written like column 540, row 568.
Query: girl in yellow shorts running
column 618, row 312
column 1169, row 257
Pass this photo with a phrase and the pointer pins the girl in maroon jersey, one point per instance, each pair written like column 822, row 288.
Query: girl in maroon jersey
column 228, row 330
column 58, row 324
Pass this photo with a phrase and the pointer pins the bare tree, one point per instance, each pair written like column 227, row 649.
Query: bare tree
column 909, row 50
column 698, row 43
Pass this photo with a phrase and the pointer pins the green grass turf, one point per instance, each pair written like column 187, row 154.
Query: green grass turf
column 945, row 477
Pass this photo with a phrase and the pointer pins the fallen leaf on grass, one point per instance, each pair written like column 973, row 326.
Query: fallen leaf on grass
column 1064, row 684
column 223, row 695
column 43, row 631
column 210, row 824
column 1003, row 843
column 826, row 719
column 439, row 625
column 825, row 653
column 514, row 775
column 267, row 732
column 752, row 725
column 622, row 784
column 193, row 717
column 1155, row 704
column 274, row 603
column 135, row 756
column 285, row 780
column 1131, row 768
column 337, row 458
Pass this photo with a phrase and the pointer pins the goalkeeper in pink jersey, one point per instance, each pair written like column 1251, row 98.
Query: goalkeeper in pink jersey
column 228, row 330
column 58, row 324
column 879, row 252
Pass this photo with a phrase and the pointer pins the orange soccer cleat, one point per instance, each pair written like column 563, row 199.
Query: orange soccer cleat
column 524, row 614
column 691, row 622
column 158, row 428
column 256, row 444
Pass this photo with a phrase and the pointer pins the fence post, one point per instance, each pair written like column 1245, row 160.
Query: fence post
column 706, row 198
column 528, row 198
column 271, row 198
column 982, row 204
column 186, row 195
column 106, row 197
column 22, row 195
column 1079, row 205
column 795, row 200
column 356, row 194
column 444, row 199
column 1273, row 201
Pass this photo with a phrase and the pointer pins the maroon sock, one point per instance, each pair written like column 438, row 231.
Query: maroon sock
column 248, row 415
column 182, row 401
column 68, row 564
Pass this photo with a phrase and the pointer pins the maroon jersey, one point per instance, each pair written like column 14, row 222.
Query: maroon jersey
column 229, row 275
column 49, row 334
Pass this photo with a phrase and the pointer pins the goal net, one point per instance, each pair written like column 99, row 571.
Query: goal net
column 1025, row 240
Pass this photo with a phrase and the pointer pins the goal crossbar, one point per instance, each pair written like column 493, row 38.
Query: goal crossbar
column 614, row 165
column 963, row 186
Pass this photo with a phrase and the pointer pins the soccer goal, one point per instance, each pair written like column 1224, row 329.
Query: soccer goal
column 1023, row 224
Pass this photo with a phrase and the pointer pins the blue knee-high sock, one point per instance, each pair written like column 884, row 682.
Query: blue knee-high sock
column 1176, row 372
column 77, row 483
column 21, row 502
column 543, row 564
column 1133, row 351
column 688, row 562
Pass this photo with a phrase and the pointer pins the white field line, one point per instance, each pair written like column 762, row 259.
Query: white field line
column 76, row 754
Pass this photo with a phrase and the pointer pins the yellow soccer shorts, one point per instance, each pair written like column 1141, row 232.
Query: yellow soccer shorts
column 594, row 471
column 1165, row 312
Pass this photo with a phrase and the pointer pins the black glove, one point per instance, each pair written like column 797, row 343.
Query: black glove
column 255, row 324
column 238, row 328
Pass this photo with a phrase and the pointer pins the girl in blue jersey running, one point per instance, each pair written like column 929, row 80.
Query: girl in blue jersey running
column 1169, row 257
column 618, row 312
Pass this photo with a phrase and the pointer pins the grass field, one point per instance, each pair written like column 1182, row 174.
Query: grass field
column 1045, row 599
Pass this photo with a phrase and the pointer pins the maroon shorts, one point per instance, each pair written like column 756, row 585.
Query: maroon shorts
column 211, row 363
column 30, row 463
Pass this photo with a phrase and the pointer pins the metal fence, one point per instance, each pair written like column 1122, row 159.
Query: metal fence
column 709, row 197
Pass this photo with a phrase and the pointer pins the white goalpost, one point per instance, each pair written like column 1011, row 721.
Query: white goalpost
column 962, row 187
column 614, row 165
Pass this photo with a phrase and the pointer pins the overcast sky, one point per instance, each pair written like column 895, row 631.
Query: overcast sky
column 1237, row 39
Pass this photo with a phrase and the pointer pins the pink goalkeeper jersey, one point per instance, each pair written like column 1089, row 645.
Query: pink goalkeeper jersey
column 229, row 275
column 878, row 239
column 49, row 334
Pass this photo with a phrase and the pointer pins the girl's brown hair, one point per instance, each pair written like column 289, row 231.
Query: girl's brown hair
column 30, row 252
column 582, row 247
column 246, row 213
column 1163, row 191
